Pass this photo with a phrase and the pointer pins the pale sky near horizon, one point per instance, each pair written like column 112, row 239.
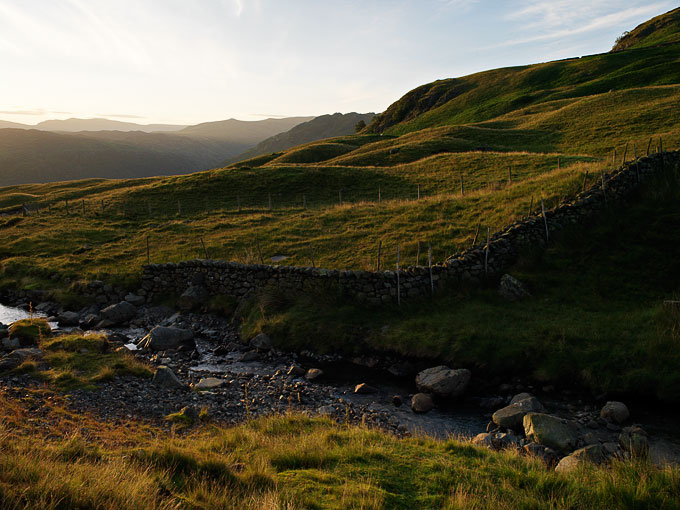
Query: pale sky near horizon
column 185, row 62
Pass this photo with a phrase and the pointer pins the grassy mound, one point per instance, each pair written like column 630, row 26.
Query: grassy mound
column 30, row 331
column 76, row 361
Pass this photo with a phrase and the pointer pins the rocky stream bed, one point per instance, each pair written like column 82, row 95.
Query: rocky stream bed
column 203, row 366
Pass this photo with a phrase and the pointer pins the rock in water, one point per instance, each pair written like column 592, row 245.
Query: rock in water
column 68, row 319
column 512, row 289
column 261, row 342
column 512, row 416
column 549, row 431
column 166, row 378
column 119, row 313
column 421, row 403
column 443, row 381
column 161, row 338
column 616, row 412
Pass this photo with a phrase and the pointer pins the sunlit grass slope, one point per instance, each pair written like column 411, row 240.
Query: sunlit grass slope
column 65, row 460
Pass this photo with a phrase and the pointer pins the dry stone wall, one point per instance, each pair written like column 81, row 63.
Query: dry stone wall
column 376, row 288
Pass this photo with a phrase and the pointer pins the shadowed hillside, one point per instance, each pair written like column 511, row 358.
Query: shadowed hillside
column 324, row 126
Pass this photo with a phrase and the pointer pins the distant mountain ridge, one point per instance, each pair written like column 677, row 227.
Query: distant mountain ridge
column 243, row 131
column 319, row 128
column 30, row 155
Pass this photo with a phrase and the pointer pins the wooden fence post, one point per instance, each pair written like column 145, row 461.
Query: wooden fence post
column 531, row 206
column 660, row 144
column 379, row 194
column 635, row 150
column 379, row 254
column 205, row 252
column 585, row 179
column 604, row 190
column 429, row 264
column 418, row 255
column 545, row 221
column 179, row 208
column 462, row 186
column 625, row 153
column 486, row 252
column 83, row 203
column 614, row 158
column 259, row 252
column 418, row 191
column 398, row 280
column 649, row 145
column 148, row 253
column 102, row 206
column 474, row 240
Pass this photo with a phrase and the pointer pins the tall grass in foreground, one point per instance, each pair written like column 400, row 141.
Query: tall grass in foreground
column 293, row 462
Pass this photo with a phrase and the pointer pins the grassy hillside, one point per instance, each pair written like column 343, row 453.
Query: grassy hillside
column 662, row 29
column 324, row 126
column 484, row 96
column 336, row 200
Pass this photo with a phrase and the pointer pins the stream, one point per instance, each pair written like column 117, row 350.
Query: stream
column 462, row 419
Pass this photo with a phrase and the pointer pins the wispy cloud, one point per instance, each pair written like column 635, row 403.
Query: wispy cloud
column 119, row 115
column 559, row 19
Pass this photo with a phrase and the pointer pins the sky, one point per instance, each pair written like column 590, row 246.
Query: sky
column 191, row 61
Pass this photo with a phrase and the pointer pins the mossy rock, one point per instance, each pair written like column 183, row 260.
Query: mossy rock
column 30, row 331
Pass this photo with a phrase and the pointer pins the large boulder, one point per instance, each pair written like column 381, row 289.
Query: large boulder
column 443, row 381
column 593, row 453
column 193, row 298
column 17, row 357
column 119, row 313
column 616, row 412
column 512, row 289
column 421, row 403
column 550, row 431
column 166, row 378
column 68, row 319
column 261, row 342
column 162, row 338
column 512, row 416
column 634, row 442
